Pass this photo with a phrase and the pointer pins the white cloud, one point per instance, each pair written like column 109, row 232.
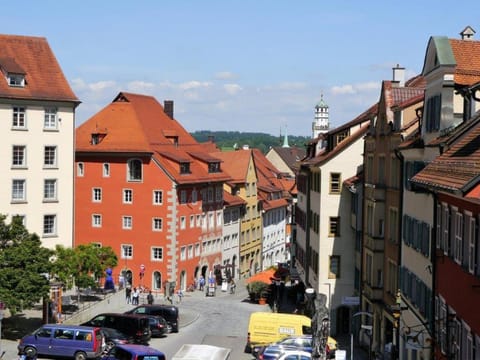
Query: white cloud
column 225, row 75
column 232, row 89
column 194, row 85
column 344, row 89
column 140, row 86
column 101, row 85
column 355, row 88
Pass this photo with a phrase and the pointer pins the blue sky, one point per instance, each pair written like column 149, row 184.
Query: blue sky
column 242, row 65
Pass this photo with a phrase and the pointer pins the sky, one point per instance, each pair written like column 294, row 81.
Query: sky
column 238, row 65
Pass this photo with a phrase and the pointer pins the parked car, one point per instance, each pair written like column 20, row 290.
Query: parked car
column 295, row 355
column 67, row 341
column 168, row 312
column 133, row 325
column 299, row 342
column 133, row 352
column 272, row 352
column 158, row 325
column 112, row 337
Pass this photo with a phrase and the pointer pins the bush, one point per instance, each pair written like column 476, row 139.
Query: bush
column 257, row 289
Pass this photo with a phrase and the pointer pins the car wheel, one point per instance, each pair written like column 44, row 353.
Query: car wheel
column 80, row 356
column 30, row 351
column 110, row 344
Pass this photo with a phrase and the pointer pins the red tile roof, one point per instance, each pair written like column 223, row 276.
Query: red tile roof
column 232, row 200
column 33, row 57
column 458, row 169
column 467, row 57
column 235, row 163
column 135, row 123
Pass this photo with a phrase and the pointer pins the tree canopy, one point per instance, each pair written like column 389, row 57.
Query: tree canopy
column 24, row 266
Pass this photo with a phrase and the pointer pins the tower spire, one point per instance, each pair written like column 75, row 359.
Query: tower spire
column 285, row 139
column 321, row 124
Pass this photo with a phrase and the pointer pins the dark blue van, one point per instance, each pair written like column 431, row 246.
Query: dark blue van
column 68, row 341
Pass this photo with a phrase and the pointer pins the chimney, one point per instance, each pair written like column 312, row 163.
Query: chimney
column 399, row 75
column 168, row 108
column 467, row 33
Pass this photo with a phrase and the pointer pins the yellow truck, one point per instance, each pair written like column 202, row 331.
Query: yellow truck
column 265, row 328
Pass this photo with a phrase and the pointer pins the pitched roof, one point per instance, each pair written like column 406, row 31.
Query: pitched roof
column 232, row 200
column 290, row 155
column 33, row 58
column 458, row 169
column 235, row 163
column 135, row 123
column 467, row 57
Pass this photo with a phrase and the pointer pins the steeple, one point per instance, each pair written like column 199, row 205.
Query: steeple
column 321, row 124
column 285, row 139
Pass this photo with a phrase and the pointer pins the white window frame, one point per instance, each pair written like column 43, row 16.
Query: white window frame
column 50, row 190
column 156, row 253
column 190, row 251
column 96, row 220
column 52, row 225
column 157, row 197
column 192, row 221
column 132, row 175
column 197, row 249
column 96, row 195
column 50, row 121
column 126, row 251
column 183, row 253
column 19, row 190
column 106, row 170
column 80, row 169
column 183, row 222
column 445, row 228
column 127, row 197
column 127, row 222
column 194, row 196
column 19, row 152
column 183, row 196
column 50, row 156
column 458, row 239
column 157, row 224
column 19, row 117
column 219, row 219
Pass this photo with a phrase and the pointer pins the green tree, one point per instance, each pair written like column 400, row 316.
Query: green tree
column 24, row 266
column 83, row 265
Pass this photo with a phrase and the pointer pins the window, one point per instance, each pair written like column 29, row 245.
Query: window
column 183, row 253
column 157, row 254
column 214, row 167
column 18, row 190
column 393, row 225
column 197, row 249
column 127, row 222
column 157, row 197
column 127, row 251
column 334, row 226
column 381, row 170
column 106, row 170
column 97, row 195
column 190, row 251
column 335, row 183
column 50, row 190
column 157, row 224
column 185, row 168
column 192, row 221
column 19, row 118
column 96, row 220
column 80, row 169
column 219, row 219
column 182, row 222
column 199, row 220
column 458, row 246
column 183, row 196
column 334, row 270
column 50, row 156
column 16, row 80
column 433, row 110
column 19, row 156
column 49, row 225
column 127, row 196
column 194, row 196
column 50, row 119
column 134, row 170
column 471, row 246
column 219, row 193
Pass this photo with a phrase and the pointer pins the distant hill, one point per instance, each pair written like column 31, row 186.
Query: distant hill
column 230, row 139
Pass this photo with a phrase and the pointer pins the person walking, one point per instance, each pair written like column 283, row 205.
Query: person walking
column 150, row 298
column 135, row 296
column 128, row 294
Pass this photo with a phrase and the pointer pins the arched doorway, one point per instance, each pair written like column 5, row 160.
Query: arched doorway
column 156, row 281
column 183, row 281
column 128, row 276
column 204, row 271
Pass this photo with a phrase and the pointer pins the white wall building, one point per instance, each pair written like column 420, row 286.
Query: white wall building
column 37, row 112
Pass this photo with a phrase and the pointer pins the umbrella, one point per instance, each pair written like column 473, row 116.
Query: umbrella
column 264, row 276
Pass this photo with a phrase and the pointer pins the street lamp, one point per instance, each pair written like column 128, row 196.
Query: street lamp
column 329, row 299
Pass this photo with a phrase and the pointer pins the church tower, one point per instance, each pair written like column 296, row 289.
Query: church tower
column 321, row 124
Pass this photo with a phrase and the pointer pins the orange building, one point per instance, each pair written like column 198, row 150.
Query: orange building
column 145, row 187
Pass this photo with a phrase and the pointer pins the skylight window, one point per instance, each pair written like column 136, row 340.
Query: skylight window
column 16, row 80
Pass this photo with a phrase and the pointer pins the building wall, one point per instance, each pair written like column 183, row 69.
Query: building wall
column 35, row 138
column 231, row 238
column 274, row 237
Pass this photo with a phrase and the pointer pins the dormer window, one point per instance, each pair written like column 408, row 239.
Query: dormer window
column 16, row 80
column 184, row 168
column 214, row 167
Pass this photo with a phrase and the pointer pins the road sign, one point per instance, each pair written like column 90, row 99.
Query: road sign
column 350, row 300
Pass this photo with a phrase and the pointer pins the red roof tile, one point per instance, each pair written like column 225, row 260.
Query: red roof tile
column 467, row 57
column 33, row 57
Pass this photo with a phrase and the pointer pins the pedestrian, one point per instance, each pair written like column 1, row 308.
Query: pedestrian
column 150, row 298
column 128, row 294
column 202, row 282
column 135, row 296
column 180, row 295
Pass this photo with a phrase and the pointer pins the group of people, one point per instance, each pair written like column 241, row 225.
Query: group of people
column 132, row 296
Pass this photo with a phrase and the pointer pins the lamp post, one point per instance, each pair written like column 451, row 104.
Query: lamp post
column 329, row 299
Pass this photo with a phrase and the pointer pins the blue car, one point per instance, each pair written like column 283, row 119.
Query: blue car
column 133, row 352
